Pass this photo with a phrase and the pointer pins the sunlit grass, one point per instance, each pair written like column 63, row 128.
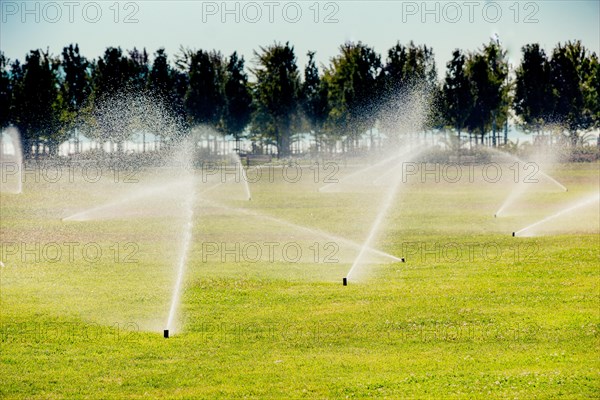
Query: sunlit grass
column 473, row 312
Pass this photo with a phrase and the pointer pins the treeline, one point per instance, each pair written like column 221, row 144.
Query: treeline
column 48, row 97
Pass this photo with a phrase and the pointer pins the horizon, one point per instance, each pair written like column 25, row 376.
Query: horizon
column 210, row 26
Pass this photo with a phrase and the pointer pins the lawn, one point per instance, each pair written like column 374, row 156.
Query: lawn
column 473, row 312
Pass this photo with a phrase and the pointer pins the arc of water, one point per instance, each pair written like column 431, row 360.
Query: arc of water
column 212, row 187
column 394, row 169
column 16, row 161
column 137, row 196
column 183, row 255
column 551, row 179
column 513, row 195
column 149, row 192
column 244, row 177
column 391, row 194
column 583, row 203
column 246, row 185
column 318, row 232
column 521, row 186
column 363, row 170
column 375, row 227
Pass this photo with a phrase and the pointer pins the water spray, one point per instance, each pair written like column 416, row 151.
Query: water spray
column 11, row 163
column 521, row 187
column 186, row 244
column 584, row 202
column 385, row 205
column 362, row 171
column 311, row 231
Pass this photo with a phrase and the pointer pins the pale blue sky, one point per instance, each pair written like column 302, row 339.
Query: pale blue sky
column 198, row 24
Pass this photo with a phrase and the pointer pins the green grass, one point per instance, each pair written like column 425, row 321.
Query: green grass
column 457, row 320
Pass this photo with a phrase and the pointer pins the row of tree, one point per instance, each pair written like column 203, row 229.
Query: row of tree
column 48, row 97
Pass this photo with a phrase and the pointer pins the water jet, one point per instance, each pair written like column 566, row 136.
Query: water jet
column 586, row 201
column 379, row 219
column 11, row 162
column 312, row 231
column 522, row 183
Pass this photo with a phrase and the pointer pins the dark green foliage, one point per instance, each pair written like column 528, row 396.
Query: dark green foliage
column 238, row 98
column 50, row 99
column 409, row 68
column 574, row 80
column 315, row 105
column 111, row 73
column 353, row 81
column 75, row 89
column 276, row 95
column 457, row 93
column 5, row 91
column 76, row 85
column 159, row 78
column 533, row 101
column 138, row 67
column 487, row 72
column 36, row 103
column 408, row 79
column 205, row 99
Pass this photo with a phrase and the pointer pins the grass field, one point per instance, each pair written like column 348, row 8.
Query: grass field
column 472, row 313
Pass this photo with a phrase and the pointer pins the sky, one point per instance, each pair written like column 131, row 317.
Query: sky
column 320, row 26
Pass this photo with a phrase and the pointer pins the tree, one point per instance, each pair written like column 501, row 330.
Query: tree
column 487, row 72
column 408, row 67
column 533, row 101
column 36, row 101
column 276, row 95
column 180, row 84
column 315, row 104
column 570, row 71
column 5, row 93
column 457, row 93
column 591, row 91
column 408, row 79
column 205, row 99
column 353, row 86
column 137, row 71
column 435, row 118
column 120, row 89
column 238, row 98
column 168, row 86
column 76, row 86
column 159, row 77
column 111, row 80
column 111, row 73
column 161, row 87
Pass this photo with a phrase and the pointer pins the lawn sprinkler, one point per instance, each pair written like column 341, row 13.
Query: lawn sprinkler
column 345, row 281
column 166, row 333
